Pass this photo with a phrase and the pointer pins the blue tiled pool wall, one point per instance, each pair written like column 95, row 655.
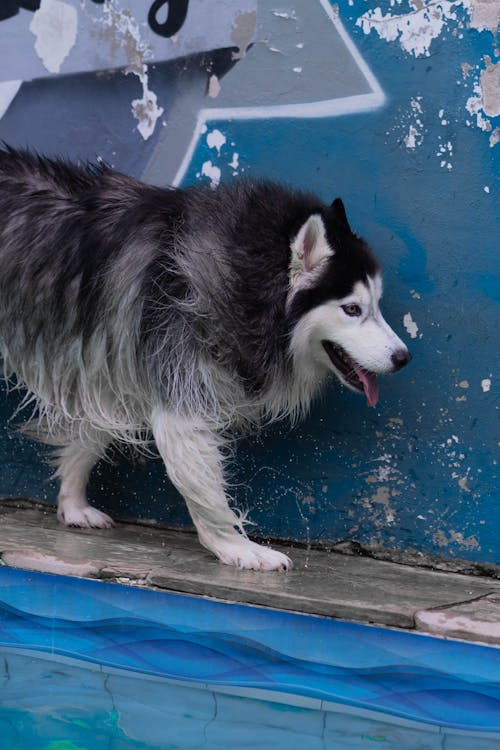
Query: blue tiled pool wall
column 415, row 677
column 77, row 705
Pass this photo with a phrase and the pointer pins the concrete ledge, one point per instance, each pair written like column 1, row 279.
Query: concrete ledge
column 322, row 583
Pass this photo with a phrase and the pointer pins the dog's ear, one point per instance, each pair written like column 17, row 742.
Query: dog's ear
column 338, row 212
column 310, row 247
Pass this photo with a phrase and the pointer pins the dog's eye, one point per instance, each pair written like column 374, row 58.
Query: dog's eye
column 353, row 310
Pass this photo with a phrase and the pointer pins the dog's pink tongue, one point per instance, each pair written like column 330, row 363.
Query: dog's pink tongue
column 370, row 384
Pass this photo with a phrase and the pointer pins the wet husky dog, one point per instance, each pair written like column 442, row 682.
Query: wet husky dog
column 127, row 309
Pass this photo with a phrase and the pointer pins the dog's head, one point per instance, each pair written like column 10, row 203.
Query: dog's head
column 333, row 302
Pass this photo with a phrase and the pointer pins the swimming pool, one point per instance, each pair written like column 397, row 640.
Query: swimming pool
column 86, row 665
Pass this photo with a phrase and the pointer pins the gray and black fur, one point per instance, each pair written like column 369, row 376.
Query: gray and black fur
column 119, row 300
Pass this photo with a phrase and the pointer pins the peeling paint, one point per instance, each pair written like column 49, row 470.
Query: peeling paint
column 445, row 152
column 213, row 87
column 234, row 163
column 424, row 21
column 462, row 483
column 416, row 29
column 463, row 384
column 120, row 29
column 410, row 325
column 146, row 109
column 466, row 69
column 411, row 139
column 495, row 137
column 441, row 539
column 484, row 15
column 243, row 32
column 212, row 172
column 490, row 87
column 382, row 497
column 288, row 15
column 486, row 384
column 485, row 102
column 216, row 139
column 54, row 25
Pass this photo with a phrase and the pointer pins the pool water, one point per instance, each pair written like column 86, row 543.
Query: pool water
column 88, row 665
column 58, row 703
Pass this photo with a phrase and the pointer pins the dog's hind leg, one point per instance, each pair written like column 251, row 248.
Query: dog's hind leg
column 75, row 462
column 192, row 456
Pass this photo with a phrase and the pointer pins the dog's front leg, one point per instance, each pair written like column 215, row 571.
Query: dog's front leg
column 191, row 452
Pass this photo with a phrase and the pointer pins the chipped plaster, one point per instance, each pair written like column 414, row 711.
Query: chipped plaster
column 216, row 139
column 212, row 172
column 486, row 384
column 54, row 26
column 410, row 325
column 484, row 15
column 243, row 32
column 416, row 29
column 490, row 88
column 416, row 26
column 121, row 31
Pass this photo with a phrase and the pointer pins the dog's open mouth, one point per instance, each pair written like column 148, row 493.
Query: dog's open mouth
column 353, row 374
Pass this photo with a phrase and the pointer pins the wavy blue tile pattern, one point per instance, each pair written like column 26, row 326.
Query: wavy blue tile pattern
column 415, row 677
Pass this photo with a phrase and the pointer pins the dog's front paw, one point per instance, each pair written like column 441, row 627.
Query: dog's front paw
column 86, row 517
column 248, row 555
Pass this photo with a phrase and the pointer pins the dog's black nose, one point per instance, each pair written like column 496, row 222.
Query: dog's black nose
column 400, row 358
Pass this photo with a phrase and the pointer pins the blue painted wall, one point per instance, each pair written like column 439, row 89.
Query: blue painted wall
column 406, row 130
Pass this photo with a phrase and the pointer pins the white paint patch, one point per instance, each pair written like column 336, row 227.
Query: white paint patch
column 416, row 29
column 495, row 137
column 212, row 172
column 290, row 16
column 474, row 106
column 8, row 90
column 410, row 325
column 146, row 109
column 410, row 139
column 298, row 69
column 54, row 25
column 213, row 86
column 445, row 152
column 486, row 384
column 234, row 163
column 216, row 139
column 413, row 120
column 486, row 189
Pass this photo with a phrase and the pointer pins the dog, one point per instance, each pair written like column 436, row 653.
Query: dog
column 190, row 314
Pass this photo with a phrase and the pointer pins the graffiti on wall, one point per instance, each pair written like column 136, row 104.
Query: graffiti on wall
column 267, row 59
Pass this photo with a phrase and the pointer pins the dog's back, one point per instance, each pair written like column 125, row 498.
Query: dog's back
column 115, row 295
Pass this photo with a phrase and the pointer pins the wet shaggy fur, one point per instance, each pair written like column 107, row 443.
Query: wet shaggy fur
column 126, row 308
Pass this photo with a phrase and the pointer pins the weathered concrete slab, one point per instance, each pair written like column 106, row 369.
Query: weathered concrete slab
column 322, row 583
column 477, row 620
